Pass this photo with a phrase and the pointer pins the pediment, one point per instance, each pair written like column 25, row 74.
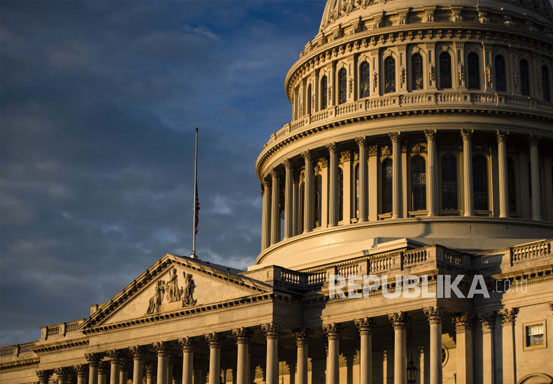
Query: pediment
column 173, row 284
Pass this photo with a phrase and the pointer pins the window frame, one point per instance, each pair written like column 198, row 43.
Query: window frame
column 458, row 170
column 385, row 76
column 473, row 53
column 342, row 96
column 439, row 64
column 412, row 71
column 361, row 64
column 525, row 346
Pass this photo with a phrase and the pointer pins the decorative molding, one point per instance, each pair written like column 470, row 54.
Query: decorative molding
column 508, row 316
column 364, row 325
column 137, row 352
column 161, row 348
column 302, row 336
column 463, row 321
column 466, row 134
column 242, row 335
column 398, row 319
column 270, row 330
column 501, row 136
column 93, row 358
column 213, row 339
column 394, row 136
column 187, row 343
column 434, row 314
column 332, row 331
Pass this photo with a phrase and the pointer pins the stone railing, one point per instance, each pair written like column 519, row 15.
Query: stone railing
column 414, row 102
column 16, row 350
column 530, row 251
column 60, row 330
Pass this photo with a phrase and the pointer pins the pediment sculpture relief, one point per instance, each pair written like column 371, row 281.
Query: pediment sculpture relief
column 171, row 292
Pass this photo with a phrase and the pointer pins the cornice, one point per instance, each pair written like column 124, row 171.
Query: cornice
column 62, row 345
column 19, row 364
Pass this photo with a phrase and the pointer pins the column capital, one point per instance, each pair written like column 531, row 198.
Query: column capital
column 213, row 339
column 62, row 372
column 270, row 330
column 302, row 335
column 103, row 368
column 501, row 136
column 345, row 156
column 364, row 325
column 488, row 321
column 161, row 348
column 137, row 351
column 433, row 314
column 287, row 164
column 332, row 331
column 373, row 150
column 398, row 319
column 81, row 370
column 242, row 335
column 307, row 155
column 93, row 358
column 43, row 375
column 533, row 140
column 150, row 370
column 394, row 136
column 466, row 134
column 187, row 343
column 114, row 355
column 331, row 147
column 508, row 316
column 430, row 134
column 361, row 141
column 274, row 173
column 463, row 321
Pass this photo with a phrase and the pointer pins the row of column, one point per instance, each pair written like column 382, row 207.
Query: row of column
column 271, row 212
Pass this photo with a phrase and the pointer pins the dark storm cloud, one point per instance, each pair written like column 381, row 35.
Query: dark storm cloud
column 98, row 105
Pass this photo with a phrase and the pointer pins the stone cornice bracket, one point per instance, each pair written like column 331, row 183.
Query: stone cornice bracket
column 466, row 134
column 161, row 348
column 331, row 147
column 242, row 335
column 332, row 331
column 361, row 141
column 213, row 339
column 433, row 314
column 394, row 136
column 508, row 316
column 137, row 352
column 398, row 319
column 187, row 343
column 463, row 321
column 365, row 325
column 270, row 330
column 430, row 134
column 501, row 136
column 302, row 335
column 488, row 321
column 93, row 358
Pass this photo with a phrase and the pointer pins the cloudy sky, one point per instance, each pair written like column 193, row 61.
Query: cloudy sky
column 99, row 101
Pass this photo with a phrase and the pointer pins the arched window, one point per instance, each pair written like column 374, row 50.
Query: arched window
column 324, row 92
column 445, row 70
column 480, row 182
column 340, row 194
column 545, row 83
column 416, row 72
column 387, row 176
column 389, row 75
column 342, row 86
column 500, row 74
column 308, row 100
column 356, row 173
column 449, row 183
column 473, row 64
column 511, row 176
column 418, row 183
column 524, row 79
column 365, row 80
column 318, row 199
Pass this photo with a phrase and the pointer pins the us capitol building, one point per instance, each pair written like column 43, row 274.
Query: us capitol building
column 421, row 143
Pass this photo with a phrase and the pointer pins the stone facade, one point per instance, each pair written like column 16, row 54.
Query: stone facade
column 420, row 145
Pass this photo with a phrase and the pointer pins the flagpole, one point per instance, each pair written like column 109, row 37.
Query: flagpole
column 194, row 225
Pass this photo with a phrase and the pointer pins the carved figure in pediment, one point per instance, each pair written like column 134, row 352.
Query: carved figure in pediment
column 188, row 291
column 174, row 293
column 157, row 299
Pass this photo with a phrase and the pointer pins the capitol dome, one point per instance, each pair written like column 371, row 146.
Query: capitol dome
column 425, row 120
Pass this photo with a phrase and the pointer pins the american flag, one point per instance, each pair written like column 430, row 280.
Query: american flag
column 197, row 210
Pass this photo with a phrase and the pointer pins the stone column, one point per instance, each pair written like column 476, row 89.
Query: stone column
column 363, row 183
column 347, row 195
column 373, row 183
column 535, row 178
column 365, row 350
column 103, row 371
column 81, row 373
column 434, row 315
column 187, row 346
column 431, row 180
column 332, row 332
column 271, row 332
column 487, row 349
column 242, row 336
column 162, row 362
column 150, row 374
column 332, row 186
column 464, row 348
column 288, row 200
column 396, row 177
column 309, row 193
column 138, row 364
column 422, row 371
column 508, row 317
column 503, row 175
column 123, row 371
column 214, row 358
column 266, row 217
column 399, row 321
column 115, row 365
column 275, row 208
column 93, row 360
column 302, row 345
column 43, row 376
column 467, row 172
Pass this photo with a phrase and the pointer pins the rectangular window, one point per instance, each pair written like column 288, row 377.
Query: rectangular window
column 535, row 335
